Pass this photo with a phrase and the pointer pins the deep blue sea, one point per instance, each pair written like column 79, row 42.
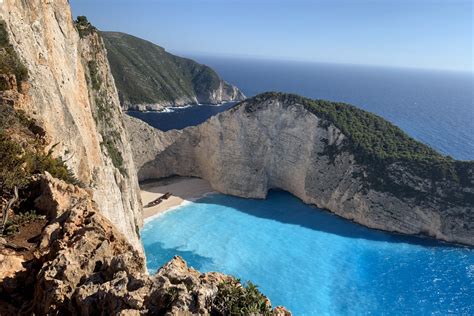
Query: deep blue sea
column 311, row 261
column 307, row 259
column 435, row 107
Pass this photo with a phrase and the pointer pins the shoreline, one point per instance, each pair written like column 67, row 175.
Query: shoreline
column 172, row 108
column 183, row 190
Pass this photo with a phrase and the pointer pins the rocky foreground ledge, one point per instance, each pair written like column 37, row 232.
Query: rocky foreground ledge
column 84, row 265
column 332, row 155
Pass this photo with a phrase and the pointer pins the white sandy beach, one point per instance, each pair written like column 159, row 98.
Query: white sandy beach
column 181, row 188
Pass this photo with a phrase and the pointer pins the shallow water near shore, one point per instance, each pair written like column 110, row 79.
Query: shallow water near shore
column 311, row 261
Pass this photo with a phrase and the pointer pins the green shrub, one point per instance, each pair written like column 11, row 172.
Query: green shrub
column 13, row 226
column 114, row 154
column 10, row 63
column 235, row 299
column 18, row 165
column 20, row 161
column 12, row 171
column 94, row 75
column 39, row 163
column 84, row 27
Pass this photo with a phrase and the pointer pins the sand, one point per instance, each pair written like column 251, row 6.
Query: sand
column 181, row 188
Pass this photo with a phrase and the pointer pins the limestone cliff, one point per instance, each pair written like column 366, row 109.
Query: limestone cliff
column 149, row 78
column 71, row 93
column 287, row 142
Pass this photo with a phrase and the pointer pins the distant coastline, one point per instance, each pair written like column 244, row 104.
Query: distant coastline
column 430, row 105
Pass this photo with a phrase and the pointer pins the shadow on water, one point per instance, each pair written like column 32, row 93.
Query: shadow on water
column 157, row 255
column 288, row 209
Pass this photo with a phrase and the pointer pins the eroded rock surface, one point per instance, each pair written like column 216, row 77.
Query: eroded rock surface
column 71, row 106
column 84, row 265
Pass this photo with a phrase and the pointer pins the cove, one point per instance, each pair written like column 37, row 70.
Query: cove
column 311, row 261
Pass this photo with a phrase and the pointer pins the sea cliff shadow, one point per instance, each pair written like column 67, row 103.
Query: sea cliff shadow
column 157, row 255
column 288, row 209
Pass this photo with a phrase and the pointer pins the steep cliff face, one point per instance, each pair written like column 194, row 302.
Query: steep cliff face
column 276, row 141
column 149, row 78
column 69, row 92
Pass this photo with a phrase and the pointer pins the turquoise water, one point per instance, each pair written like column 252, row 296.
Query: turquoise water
column 313, row 262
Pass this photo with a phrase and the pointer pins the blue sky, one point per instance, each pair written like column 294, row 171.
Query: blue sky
column 408, row 33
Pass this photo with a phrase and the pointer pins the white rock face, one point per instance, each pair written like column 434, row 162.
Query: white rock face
column 247, row 151
column 225, row 93
column 60, row 99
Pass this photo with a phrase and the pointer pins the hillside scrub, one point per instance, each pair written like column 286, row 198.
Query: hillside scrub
column 146, row 74
column 380, row 145
column 10, row 63
column 84, row 27
column 236, row 299
column 22, row 153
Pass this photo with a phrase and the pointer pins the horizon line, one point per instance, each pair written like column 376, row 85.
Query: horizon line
column 190, row 54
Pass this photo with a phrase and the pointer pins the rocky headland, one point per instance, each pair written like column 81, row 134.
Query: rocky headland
column 149, row 78
column 332, row 155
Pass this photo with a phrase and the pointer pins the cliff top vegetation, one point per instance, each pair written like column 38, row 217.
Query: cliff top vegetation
column 377, row 143
column 84, row 27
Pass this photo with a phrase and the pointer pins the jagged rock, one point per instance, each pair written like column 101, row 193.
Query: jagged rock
column 84, row 265
column 10, row 263
column 78, row 244
column 57, row 196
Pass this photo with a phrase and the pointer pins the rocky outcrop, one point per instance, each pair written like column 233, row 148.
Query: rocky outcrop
column 225, row 92
column 276, row 142
column 57, row 196
column 68, row 92
column 149, row 78
column 84, row 266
